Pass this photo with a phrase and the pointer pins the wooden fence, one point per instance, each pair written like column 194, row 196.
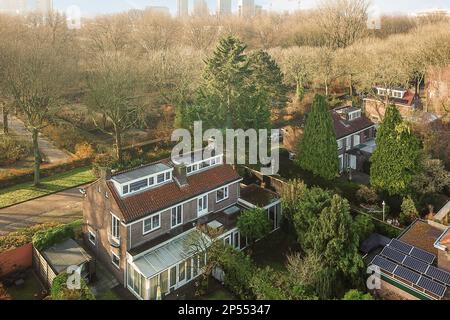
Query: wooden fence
column 43, row 269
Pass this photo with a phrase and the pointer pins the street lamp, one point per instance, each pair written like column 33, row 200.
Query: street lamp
column 384, row 209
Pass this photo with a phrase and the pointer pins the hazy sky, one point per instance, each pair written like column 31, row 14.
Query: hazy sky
column 92, row 7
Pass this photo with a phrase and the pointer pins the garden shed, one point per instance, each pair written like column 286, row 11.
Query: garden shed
column 58, row 258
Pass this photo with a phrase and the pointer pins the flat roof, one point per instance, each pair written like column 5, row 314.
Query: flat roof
column 140, row 172
column 422, row 235
column 65, row 254
column 258, row 196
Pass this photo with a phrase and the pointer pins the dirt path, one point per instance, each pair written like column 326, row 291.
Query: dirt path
column 63, row 207
column 50, row 153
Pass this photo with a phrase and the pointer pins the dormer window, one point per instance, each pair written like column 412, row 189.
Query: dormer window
column 136, row 186
column 354, row 115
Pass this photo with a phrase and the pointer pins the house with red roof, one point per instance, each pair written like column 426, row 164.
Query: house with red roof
column 355, row 134
column 138, row 222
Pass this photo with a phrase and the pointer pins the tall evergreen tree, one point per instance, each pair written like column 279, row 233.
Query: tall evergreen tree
column 269, row 78
column 318, row 149
column 396, row 159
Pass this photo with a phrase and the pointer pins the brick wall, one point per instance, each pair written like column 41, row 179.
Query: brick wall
column 16, row 259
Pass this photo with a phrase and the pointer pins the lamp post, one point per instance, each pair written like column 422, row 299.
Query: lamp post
column 384, row 210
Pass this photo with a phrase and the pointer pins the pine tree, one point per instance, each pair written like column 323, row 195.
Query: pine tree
column 269, row 78
column 318, row 150
column 396, row 159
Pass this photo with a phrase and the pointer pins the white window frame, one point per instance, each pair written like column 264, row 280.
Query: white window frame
column 176, row 212
column 113, row 227
column 144, row 232
column 204, row 209
column 226, row 192
column 92, row 234
column 112, row 260
column 348, row 142
column 340, row 143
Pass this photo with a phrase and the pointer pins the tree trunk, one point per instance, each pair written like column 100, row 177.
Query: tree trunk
column 37, row 156
column 5, row 121
column 351, row 86
column 118, row 137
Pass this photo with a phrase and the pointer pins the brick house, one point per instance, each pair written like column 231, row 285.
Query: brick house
column 405, row 100
column 138, row 221
column 355, row 135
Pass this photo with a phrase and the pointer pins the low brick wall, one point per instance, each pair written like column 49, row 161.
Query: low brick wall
column 16, row 259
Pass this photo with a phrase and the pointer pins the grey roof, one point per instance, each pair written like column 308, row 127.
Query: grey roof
column 164, row 256
column 65, row 254
column 141, row 172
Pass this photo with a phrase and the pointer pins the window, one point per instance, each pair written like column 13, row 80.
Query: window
column 152, row 223
column 236, row 237
column 92, row 238
column 151, row 181
column 136, row 186
column 222, row 194
column 349, row 143
column 115, row 227
column 160, row 178
column 168, row 175
column 227, row 240
column 115, row 260
column 202, row 205
column 340, row 144
column 177, row 216
column 125, row 189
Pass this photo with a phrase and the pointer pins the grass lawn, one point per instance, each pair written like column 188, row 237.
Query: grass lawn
column 108, row 295
column 26, row 191
column 219, row 294
column 30, row 290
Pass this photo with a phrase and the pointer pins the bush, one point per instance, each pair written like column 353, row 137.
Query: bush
column 102, row 160
column 254, row 224
column 84, row 150
column 265, row 285
column 357, row 295
column 20, row 238
column 46, row 238
column 59, row 290
column 409, row 212
column 367, row 195
column 364, row 226
column 64, row 136
column 13, row 149
column 3, row 293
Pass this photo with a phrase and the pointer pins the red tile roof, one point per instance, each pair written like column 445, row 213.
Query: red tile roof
column 446, row 239
column 343, row 127
column 153, row 200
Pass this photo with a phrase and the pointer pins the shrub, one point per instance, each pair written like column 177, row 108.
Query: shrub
column 46, row 238
column 104, row 160
column 59, row 290
column 3, row 293
column 364, row 226
column 357, row 295
column 13, row 149
column 265, row 285
column 21, row 237
column 409, row 212
column 64, row 136
column 254, row 224
column 367, row 195
column 84, row 150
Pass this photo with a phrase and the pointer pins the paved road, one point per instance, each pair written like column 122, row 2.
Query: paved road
column 48, row 150
column 61, row 207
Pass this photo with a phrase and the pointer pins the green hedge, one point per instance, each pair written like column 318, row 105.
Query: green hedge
column 59, row 290
column 27, row 175
column 47, row 238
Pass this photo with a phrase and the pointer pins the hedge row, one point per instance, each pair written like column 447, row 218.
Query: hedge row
column 21, row 176
column 47, row 238
column 59, row 290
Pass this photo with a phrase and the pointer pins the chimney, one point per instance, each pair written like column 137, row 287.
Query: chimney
column 179, row 175
column 105, row 173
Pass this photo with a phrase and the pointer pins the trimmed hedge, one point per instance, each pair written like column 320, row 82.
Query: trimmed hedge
column 21, row 237
column 21, row 176
column 47, row 238
column 59, row 290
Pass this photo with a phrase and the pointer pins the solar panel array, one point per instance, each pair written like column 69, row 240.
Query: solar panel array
column 413, row 265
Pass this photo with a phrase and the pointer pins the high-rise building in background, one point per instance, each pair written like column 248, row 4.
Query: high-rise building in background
column 182, row 8
column 44, row 6
column 247, row 8
column 223, row 8
column 201, row 8
column 13, row 6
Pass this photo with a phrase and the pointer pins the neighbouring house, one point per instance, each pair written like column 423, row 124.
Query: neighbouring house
column 139, row 221
column 416, row 265
column 355, row 135
column 438, row 90
column 404, row 99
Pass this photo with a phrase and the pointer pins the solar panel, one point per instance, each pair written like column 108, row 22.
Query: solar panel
column 432, row 286
column 415, row 264
column 401, row 246
column 384, row 264
column 439, row 275
column 394, row 255
column 407, row 274
column 423, row 255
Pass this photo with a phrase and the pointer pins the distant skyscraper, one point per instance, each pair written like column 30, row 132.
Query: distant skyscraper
column 224, row 7
column 247, row 8
column 201, row 8
column 182, row 8
column 44, row 6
